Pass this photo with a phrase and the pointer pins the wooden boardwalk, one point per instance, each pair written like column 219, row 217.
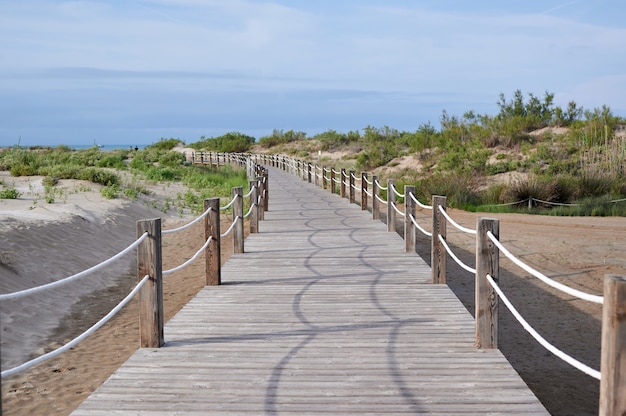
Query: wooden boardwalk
column 323, row 314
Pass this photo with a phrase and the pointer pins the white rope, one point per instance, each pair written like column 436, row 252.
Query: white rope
column 78, row 339
column 382, row 201
column 368, row 181
column 563, row 356
column 398, row 194
column 510, row 203
column 367, row 193
column 230, row 203
column 574, row 292
column 250, row 210
column 337, row 180
column 554, row 203
column 175, row 230
column 354, row 177
column 384, row 188
column 185, row 264
column 454, row 257
column 78, row 275
column 249, row 193
column 231, row 227
column 398, row 211
column 458, row 226
column 423, row 231
column 419, row 204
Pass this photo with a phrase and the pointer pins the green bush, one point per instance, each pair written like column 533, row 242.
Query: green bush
column 9, row 193
column 101, row 176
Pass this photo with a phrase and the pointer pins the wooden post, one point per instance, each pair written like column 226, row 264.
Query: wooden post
column 254, row 204
column 315, row 181
column 238, row 219
column 324, row 180
column 351, row 190
column 309, row 172
column 261, row 181
column 332, row 181
column 149, row 262
column 266, row 191
column 391, row 203
column 437, row 250
column 212, row 254
column 375, row 201
column 409, row 227
column 342, row 186
column 486, row 298
column 364, row 191
column 613, row 360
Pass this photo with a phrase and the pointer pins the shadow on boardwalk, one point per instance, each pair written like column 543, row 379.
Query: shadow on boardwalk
column 323, row 314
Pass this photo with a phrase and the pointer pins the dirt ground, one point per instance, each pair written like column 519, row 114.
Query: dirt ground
column 575, row 251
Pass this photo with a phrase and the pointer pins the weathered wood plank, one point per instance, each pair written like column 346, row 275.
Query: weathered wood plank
column 324, row 314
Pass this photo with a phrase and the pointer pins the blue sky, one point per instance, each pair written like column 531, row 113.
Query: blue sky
column 131, row 72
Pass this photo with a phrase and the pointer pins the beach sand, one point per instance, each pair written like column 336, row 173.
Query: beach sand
column 576, row 251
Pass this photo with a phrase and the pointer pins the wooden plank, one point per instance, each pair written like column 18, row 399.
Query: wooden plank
column 324, row 314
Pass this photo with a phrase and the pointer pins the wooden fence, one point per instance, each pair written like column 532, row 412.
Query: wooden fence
column 613, row 355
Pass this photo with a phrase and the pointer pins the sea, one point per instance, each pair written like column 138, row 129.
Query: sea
column 108, row 146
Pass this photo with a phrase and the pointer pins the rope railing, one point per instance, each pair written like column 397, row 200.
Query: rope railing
column 563, row 356
column 454, row 223
column 454, row 257
column 232, row 226
column 395, row 191
column 419, row 227
column 147, row 244
column 191, row 260
column 419, row 204
column 487, row 264
column 381, row 187
column 78, row 339
column 55, row 284
column 188, row 225
column 230, row 204
column 398, row 211
column 553, row 283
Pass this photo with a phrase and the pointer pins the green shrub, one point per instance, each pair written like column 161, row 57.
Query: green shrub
column 101, row 176
column 110, row 191
column 9, row 193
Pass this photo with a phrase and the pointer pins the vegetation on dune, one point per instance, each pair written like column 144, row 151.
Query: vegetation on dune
column 530, row 149
column 156, row 163
column 569, row 160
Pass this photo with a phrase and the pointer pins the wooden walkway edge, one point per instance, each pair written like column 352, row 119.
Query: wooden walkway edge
column 324, row 314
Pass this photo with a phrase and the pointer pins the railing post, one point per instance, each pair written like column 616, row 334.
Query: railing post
column 150, row 262
column 438, row 251
column 613, row 360
column 391, row 203
column 315, row 181
column 254, row 204
column 309, row 172
column 261, row 181
column 213, row 253
column 266, row 199
column 375, row 201
column 342, row 186
column 486, row 298
column 409, row 211
column 332, row 181
column 238, row 217
column 352, row 185
column 364, row 191
column 324, row 180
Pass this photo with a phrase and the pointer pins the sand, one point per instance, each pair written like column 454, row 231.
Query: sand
column 55, row 240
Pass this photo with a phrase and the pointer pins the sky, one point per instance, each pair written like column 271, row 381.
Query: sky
column 134, row 71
